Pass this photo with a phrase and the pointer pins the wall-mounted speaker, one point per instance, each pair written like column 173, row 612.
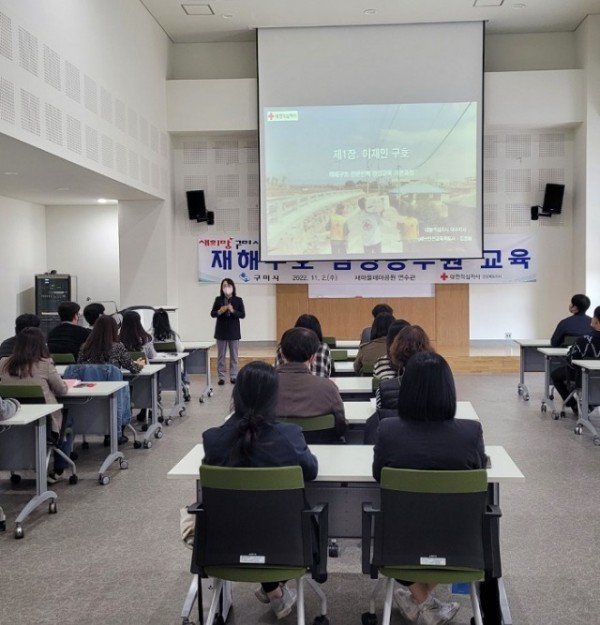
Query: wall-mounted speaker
column 210, row 218
column 196, row 205
column 553, row 198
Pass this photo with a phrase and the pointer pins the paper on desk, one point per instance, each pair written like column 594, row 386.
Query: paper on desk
column 71, row 383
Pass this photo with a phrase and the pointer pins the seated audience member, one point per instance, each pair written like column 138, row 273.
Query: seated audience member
column 8, row 407
column 425, row 435
column 92, row 311
column 384, row 368
column 134, row 337
column 369, row 353
column 252, row 438
column 302, row 394
column 67, row 337
column 586, row 347
column 321, row 365
column 577, row 324
column 162, row 332
column 103, row 347
column 30, row 363
column 365, row 335
column 21, row 322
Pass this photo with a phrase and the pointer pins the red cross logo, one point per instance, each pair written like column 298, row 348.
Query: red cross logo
column 444, row 277
column 270, row 117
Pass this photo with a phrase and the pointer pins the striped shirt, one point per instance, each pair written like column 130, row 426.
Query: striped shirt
column 384, row 369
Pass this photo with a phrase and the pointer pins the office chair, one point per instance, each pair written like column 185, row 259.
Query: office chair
column 339, row 355
column 33, row 394
column 63, row 359
column 165, row 346
column 428, row 529
column 253, row 526
column 366, row 370
column 330, row 340
column 317, row 430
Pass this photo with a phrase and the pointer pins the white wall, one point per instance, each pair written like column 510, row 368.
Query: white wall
column 88, row 85
column 188, row 61
column 84, row 241
column 22, row 255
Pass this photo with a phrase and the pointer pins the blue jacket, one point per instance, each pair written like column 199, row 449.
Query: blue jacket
column 104, row 373
column 278, row 445
column 575, row 325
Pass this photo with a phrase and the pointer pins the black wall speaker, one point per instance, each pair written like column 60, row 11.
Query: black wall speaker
column 553, row 198
column 196, row 205
column 210, row 218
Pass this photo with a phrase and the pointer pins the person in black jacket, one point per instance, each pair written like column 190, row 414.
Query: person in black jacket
column 577, row 324
column 228, row 309
column 67, row 337
column 427, row 436
column 26, row 320
column 252, row 438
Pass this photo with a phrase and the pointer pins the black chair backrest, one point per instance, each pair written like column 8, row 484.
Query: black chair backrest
column 252, row 514
column 431, row 514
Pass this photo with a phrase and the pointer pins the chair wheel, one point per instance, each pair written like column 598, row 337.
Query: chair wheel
column 85, row 445
column 210, row 393
column 368, row 619
column 596, row 440
column 544, row 408
column 333, row 550
column 104, row 480
column 321, row 620
column 158, row 434
column 182, row 412
column 15, row 478
column 555, row 415
column 74, row 456
column 123, row 464
column 19, row 533
column 137, row 444
column 551, row 396
column 201, row 399
column 563, row 414
column 145, row 427
column 147, row 444
column 2, row 526
column 578, row 430
column 73, row 479
column 52, row 509
column 526, row 396
column 168, row 421
column 161, row 419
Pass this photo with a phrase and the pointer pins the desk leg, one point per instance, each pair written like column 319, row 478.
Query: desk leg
column 154, row 427
column 208, row 391
column 190, row 599
column 521, row 388
column 114, row 454
column 544, row 406
column 179, row 405
column 584, row 409
column 41, row 484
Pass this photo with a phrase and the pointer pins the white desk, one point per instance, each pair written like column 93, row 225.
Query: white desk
column 344, row 367
column 353, row 463
column 144, row 394
column 552, row 356
column 357, row 412
column 360, row 386
column 93, row 410
column 530, row 360
column 170, row 380
column 590, row 389
column 23, row 446
column 198, row 361
column 347, row 344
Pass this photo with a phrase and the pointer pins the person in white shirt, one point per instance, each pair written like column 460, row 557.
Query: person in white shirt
column 369, row 219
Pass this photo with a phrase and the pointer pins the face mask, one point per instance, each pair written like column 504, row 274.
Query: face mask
column 227, row 290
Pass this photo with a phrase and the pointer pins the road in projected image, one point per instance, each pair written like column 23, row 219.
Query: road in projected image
column 395, row 181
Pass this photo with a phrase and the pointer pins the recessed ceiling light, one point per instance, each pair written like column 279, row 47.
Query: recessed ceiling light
column 197, row 9
column 227, row 16
column 11, row 173
column 488, row 3
column 370, row 11
column 103, row 200
column 519, row 5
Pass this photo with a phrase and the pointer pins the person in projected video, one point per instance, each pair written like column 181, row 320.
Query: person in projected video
column 369, row 219
column 338, row 231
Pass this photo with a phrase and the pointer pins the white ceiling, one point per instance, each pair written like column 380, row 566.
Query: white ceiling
column 513, row 16
column 40, row 174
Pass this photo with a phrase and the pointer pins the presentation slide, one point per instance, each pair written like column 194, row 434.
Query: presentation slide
column 371, row 181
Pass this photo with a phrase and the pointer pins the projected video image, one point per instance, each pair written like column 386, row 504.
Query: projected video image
column 375, row 181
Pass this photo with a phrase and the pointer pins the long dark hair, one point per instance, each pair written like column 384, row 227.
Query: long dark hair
column 312, row 323
column 132, row 333
column 105, row 333
column 381, row 325
column 254, row 399
column 231, row 283
column 427, row 392
column 30, row 347
column 162, row 325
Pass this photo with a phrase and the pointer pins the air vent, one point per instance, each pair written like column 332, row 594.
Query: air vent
column 28, row 51
column 227, row 185
column 252, row 185
column 107, row 152
column 518, row 146
column 73, row 134
column 90, row 94
column 194, row 183
column 195, row 153
column 226, row 152
column 72, row 82
column 30, row 112
column 552, row 145
column 6, row 45
column 7, row 101
column 517, row 181
column 91, row 144
column 197, row 9
column 517, row 216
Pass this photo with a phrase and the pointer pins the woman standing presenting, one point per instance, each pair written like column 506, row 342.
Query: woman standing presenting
column 228, row 309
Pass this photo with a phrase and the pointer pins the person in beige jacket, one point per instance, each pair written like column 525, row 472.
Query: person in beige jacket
column 30, row 363
column 369, row 353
